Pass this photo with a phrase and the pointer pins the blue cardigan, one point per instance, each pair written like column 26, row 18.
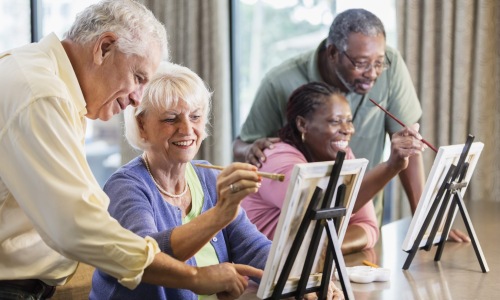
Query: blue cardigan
column 136, row 203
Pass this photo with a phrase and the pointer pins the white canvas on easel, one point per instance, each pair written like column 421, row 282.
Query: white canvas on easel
column 304, row 179
column 446, row 156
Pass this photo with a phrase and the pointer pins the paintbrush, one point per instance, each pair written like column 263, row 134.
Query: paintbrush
column 370, row 264
column 273, row 176
column 402, row 124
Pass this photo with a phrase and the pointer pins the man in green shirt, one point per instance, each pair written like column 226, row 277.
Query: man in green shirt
column 355, row 59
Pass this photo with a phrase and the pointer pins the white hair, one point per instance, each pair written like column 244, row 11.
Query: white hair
column 136, row 26
column 171, row 83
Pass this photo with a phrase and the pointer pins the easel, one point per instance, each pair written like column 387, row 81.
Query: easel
column 325, row 216
column 451, row 187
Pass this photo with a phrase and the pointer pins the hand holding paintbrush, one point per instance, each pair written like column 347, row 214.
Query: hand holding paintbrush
column 401, row 123
column 273, row 176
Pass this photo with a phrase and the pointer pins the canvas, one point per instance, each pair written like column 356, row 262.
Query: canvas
column 304, row 179
column 446, row 156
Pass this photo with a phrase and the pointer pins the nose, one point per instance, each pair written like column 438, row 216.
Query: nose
column 185, row 126
column 347, row 128
column 371, row 73
column 135, row 97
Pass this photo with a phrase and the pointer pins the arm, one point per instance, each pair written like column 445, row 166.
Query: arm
column 405, row 150
column 228, row 280
column 65, row 196
column 362, row 232
column 139, row 208
column 413, row 180
column 355, row 240
column 64, row 203
column 247, row 244
column 205, row 226
column 252, row 153
column 134, row 204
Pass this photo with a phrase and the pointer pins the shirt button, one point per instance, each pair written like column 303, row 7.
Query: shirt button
column 214, row 239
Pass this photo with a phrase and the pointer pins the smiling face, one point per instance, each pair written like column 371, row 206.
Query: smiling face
column 328, row 129
column 175, row 133
column 117, row 79
column 361, row 50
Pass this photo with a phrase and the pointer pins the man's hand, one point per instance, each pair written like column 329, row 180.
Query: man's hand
column 253, row 153
column 226, row 280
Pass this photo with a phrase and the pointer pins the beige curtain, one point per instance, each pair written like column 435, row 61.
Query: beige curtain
column 198, row 37
column 452, row 51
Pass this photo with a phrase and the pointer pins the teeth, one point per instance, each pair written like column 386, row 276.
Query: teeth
column 184, row 143
column 341, row 144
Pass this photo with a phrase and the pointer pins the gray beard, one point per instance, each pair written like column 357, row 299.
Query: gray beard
column 349, row 87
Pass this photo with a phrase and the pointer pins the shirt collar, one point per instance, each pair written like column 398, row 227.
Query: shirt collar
column 53, row 47
column 313, row 68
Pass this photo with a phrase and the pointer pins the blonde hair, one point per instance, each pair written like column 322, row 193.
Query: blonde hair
column 171, row 83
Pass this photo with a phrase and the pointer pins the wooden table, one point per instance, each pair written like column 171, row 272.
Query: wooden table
column 457, row 275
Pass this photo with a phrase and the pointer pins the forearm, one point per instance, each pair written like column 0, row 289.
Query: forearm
column 413, row 180
column 355, row 239
column 373, row 181
column 169, row 272
column 188, row 239
column 240, row 150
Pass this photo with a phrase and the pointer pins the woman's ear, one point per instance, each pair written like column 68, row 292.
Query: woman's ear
column 301, row 123
column 140, row 125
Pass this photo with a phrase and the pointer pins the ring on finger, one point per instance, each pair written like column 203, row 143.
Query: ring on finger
column 234, row 188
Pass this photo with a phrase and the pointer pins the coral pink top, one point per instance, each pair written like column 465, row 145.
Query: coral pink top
column 264, row 207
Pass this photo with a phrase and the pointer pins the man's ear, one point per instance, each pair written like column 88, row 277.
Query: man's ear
column 301, row 124
column 105, row 43
column 332, row 51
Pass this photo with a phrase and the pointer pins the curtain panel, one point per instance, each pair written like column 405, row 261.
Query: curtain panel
column 198, row 38
column 452, row 51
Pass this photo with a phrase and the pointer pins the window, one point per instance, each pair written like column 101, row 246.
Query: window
column 102, row 138
column 15, row 30
column 266, row 32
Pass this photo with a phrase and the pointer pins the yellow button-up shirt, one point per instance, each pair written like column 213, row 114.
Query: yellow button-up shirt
column 52, row 211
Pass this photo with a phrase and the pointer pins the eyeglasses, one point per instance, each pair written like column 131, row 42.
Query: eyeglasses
column 366, row 66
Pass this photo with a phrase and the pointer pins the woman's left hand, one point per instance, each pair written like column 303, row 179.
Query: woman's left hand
column 234, row 183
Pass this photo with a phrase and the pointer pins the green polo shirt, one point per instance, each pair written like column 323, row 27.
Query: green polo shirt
column 393, row 89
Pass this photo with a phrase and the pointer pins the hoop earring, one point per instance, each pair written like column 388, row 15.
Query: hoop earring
column 303, row 136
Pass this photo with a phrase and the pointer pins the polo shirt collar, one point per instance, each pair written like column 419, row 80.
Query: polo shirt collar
column 313, row 69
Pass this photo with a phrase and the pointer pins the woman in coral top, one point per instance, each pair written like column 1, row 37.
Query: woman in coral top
column 319, row 125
